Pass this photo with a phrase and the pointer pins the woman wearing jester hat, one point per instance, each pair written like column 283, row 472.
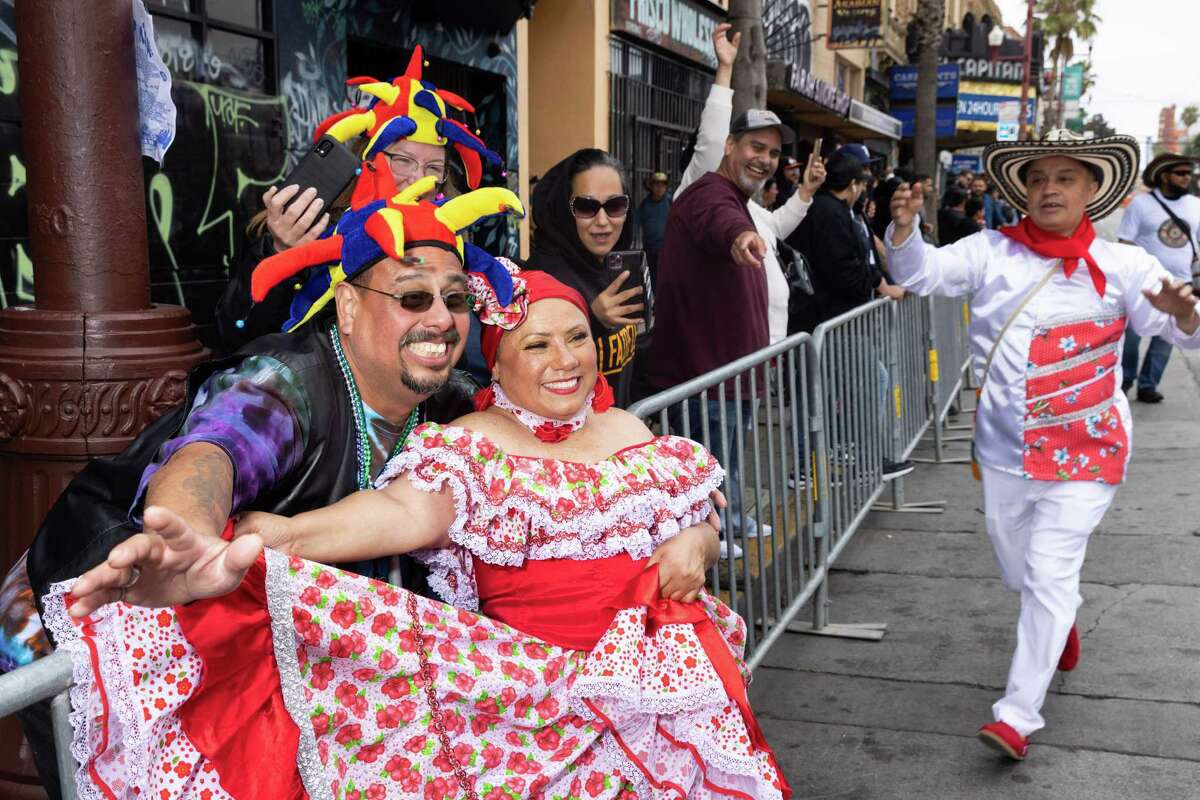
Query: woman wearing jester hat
column 557, row 667
column 406, row 131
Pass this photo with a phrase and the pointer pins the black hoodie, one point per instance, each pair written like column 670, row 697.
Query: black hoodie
column 558, row 251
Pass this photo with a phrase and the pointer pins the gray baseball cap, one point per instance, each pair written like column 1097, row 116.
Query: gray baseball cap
column 756, row 119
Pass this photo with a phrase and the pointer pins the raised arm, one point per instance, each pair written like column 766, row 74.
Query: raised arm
column 789, row 216
column 919, row 267
column 398, row 518
column 718, row 109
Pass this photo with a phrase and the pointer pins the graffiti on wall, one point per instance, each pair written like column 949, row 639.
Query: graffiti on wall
column 233, row 142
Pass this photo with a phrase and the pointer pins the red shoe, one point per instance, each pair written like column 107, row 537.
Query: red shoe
column 1070, row 654
column 1001, row 736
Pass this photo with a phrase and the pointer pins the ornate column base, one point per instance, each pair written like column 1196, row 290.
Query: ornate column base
column 76, row 387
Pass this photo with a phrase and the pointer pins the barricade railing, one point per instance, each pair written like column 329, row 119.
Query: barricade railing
column 46, row 678
column 949, row 371
column 753, row 415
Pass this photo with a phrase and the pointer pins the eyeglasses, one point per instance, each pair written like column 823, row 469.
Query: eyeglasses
column 420, row 302
column 408, row 166
column 587, row 207
column 1181, row 173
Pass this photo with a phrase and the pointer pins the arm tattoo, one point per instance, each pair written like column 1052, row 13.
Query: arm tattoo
column 207, row 487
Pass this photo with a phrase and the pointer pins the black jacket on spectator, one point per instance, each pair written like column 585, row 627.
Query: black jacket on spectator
column 843, row 277
column 953, row 225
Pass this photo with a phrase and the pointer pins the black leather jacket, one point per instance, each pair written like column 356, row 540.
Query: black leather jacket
column 92, row 514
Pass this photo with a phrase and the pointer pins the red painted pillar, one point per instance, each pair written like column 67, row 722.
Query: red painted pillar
column 92, row 362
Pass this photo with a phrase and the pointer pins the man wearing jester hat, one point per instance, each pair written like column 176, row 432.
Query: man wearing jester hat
column 406, row 130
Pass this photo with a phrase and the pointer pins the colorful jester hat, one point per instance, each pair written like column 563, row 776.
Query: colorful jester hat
column 413, row 109
column 375, row 229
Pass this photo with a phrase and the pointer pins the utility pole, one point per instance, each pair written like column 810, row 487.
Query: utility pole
column 1028, row 69
column 749, row 81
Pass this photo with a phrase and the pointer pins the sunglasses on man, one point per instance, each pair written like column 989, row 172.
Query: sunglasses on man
column 1181, row 173
column 587, row 207
column 420, row 302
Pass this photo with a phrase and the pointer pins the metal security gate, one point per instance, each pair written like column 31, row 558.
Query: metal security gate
column 656, row 105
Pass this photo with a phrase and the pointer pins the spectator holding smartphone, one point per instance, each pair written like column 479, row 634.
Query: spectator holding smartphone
column 580, row 209
column 417, row 143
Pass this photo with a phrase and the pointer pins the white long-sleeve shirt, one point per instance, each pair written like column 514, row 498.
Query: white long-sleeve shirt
column 1051, row 407
column 771, row 225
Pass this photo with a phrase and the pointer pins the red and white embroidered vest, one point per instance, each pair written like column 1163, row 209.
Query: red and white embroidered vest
column 1072, row 428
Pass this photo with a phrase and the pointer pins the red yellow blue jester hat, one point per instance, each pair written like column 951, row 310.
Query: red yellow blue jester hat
column 376, row 229
column 414, row 109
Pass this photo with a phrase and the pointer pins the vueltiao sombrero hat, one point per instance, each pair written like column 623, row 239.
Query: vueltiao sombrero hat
column 1161, row 163
column 1112, row 159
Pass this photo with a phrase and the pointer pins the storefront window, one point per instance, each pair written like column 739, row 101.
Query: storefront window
column 222, row 42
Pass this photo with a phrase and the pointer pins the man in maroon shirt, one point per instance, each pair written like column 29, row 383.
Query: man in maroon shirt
column 712, row 290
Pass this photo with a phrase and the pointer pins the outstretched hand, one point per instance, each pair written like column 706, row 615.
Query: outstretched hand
column 169, row 563
column 748, row 250
column 1176, row 298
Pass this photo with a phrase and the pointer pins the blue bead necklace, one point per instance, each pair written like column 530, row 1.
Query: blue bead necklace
column 360, row 420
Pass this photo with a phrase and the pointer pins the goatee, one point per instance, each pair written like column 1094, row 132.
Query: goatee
column 434, row 383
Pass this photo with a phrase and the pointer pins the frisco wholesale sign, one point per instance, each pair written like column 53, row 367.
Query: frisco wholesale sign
column 681, row 26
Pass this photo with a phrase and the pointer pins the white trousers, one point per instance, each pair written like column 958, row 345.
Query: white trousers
column 1039, row 531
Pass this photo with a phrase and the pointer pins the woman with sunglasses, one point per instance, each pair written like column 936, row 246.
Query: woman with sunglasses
column 580, row 209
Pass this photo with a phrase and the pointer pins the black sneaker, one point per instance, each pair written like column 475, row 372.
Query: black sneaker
column 801, row 484
column 1126, row 385
column 1149, row 396
column 896, row 469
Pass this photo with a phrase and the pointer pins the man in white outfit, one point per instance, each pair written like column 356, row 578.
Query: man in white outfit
column 1050, row 304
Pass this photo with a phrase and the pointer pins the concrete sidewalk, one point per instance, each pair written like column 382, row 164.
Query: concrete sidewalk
column 897, row 718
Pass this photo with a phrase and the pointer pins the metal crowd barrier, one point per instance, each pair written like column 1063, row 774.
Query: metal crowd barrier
column 810, row 420
column 757, row 426
column 950, row 371
column 48, row 677
column 867, row 386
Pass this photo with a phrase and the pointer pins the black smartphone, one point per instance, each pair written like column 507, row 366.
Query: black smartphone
column 633, row 260
column 328, row 167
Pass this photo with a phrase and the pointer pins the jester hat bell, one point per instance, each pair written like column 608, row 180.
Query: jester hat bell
column 378, row 229
column 413, row 109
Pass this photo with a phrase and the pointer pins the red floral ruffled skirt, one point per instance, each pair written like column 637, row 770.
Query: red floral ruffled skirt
column 312, row 682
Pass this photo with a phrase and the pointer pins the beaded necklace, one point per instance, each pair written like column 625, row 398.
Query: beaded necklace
column 360, row 421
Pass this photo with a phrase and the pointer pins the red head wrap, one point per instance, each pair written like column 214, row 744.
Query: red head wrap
column 539, row 286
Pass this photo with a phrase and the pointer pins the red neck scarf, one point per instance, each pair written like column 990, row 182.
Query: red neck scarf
column 1071, row 249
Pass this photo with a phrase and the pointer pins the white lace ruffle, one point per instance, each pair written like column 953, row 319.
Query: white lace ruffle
column 691, row 729
column 122, row 705
column 635, row 523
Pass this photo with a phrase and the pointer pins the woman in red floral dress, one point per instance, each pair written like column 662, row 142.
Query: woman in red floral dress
column 578, row 679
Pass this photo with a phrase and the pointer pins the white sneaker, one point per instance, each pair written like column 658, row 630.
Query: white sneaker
column 737, row 550
column 757, row 529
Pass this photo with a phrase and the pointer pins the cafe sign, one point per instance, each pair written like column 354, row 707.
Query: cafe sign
column 681, row 26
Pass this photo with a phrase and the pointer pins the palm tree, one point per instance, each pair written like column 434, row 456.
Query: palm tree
column 928, row 22
column 749, row 79
column 1065, row 21
column 1189, row 117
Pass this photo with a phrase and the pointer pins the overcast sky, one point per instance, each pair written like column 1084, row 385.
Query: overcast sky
column 1144, row 58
